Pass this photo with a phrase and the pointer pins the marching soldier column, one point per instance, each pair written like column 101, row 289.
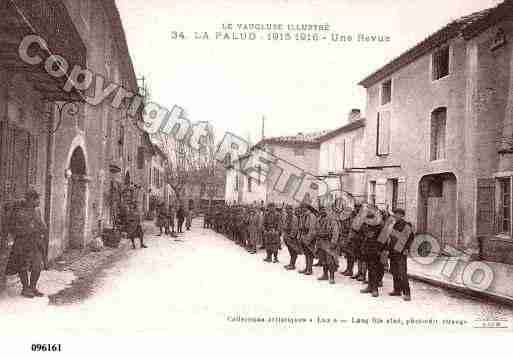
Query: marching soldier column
column 367, row 237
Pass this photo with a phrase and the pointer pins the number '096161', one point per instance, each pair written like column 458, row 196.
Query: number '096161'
column 46, row 347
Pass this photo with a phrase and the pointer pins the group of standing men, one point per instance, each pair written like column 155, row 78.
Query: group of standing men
column 369, row 239
column 166, row 215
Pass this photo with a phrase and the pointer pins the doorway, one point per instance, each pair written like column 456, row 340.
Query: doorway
column 437, row 207
column 77, row 204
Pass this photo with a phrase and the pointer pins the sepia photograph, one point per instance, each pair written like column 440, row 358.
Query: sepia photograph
column 254, row 168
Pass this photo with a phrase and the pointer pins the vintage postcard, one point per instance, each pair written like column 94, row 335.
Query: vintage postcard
column 273, row 167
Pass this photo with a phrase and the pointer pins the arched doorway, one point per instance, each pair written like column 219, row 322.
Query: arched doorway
column 77, row 187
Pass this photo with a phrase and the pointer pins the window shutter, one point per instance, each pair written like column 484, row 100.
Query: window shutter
column 485, row 206
column 401, row 193
column 384, row 133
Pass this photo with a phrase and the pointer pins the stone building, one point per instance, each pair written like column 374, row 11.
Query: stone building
column 159, row 191
column 439, row 120
column 79, row 157
column 341, row 163
column 300, row 153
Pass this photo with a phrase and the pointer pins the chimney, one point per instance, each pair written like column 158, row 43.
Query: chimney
column 354, row 115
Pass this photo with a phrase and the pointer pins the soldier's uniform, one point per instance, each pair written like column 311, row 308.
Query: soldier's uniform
column 188, row 218
column 272, row 223
column 207, row 219
column 133, row 227
column 238, row 226
column 29, row 252
column 171, row 214
column 307, row 229
column 290, row 228
column 180, row 216
column 260, row 238
column 253, row 230
column 345, row 242
column 230, row 220
column 356, row 237
column 327, row 241
column 162, row 219
column 371, row 253
column 398, row 257
column 245, row 232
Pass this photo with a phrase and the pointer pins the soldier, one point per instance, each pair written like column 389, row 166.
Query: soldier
column 207, row 218
column 356, row 236
column 171, row 219
column 401, row 238
column 162, row 218
column 180, row 216
column 238, row 225
column 261, row 215
column 371, row 252
column 272, row 233
column 188, row 218
column 245, row 224
column 253, row 229
column 29, row 252
column 290, row 236
column 307, row 227
column 133, row 225
column 217, row 225
column 345, row 242
column 327, row 240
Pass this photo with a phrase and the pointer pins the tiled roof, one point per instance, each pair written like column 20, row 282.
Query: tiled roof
column 300, row 138
column 354, row 125
column 468, row 26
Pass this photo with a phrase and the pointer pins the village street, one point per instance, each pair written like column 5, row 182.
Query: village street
column 203, row 283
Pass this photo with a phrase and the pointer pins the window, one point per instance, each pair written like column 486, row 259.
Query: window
column 19, row 161
column 249, row 183
column 383, row 134
column 299, row 151
column 395, row 192
column 505, row 205
column 372, row 193
column 499, row 39
column 438, row 125
column 441, row 63
column 386, row 92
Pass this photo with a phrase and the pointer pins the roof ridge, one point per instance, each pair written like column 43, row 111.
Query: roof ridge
column 443, row 34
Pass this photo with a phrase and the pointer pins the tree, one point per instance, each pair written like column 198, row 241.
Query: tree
column 186, row 163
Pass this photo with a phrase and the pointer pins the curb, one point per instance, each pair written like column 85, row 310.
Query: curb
column 467, row 291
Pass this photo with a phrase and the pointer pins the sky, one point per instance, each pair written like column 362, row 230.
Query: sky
column 298, row 86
